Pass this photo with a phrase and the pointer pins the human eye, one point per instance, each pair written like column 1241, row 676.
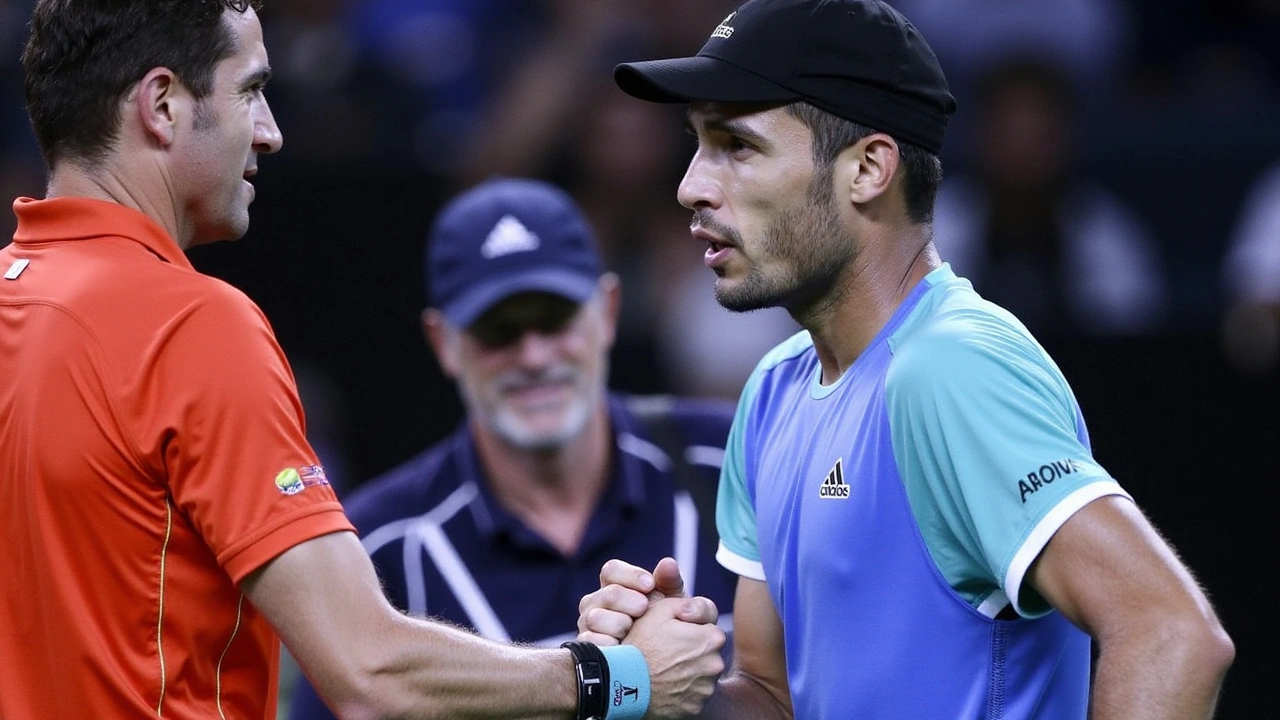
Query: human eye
column 739, row 147
column 256, row 84
column 558, row 318
column 495, row 335
column 692, row 137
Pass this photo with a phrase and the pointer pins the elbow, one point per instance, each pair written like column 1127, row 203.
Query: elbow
column 367, row 684
column 362, row 701
column 1205, row 649
column 1218, row 649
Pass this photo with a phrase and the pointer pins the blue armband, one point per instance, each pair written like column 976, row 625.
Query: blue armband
column 628, row 697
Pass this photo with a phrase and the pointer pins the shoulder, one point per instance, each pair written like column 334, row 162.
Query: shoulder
column 792, row 361
column 795, row 348
column 185, row 302
column 955, row 324
column 696, row 420
column 963, row 342
column 220, row 299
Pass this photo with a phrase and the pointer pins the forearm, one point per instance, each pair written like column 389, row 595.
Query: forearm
column 1167, row 673
column 431, row 670
column 368, row 660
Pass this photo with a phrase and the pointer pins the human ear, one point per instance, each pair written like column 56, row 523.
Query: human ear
column 872, row 164
column 437, row 334
column 610, row 291
column 156, row 100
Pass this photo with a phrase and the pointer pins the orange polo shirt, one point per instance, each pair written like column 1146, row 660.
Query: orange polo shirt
column 152, row 454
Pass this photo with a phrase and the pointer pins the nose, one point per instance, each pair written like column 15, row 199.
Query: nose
column 267, row 137
column 535, row 349
column 696, row 189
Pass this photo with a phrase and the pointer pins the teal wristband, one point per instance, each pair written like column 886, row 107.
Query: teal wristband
column 628, row 697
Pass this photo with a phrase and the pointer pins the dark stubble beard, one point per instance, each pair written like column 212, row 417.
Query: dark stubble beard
column 810, row 249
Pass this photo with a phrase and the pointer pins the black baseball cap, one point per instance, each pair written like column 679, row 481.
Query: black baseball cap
column 858, row 59
column 507, row 236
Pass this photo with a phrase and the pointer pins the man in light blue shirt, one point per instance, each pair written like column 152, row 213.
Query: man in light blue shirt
column 908, row 497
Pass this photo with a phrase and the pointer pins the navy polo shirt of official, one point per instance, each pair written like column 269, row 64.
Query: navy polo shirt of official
column 446, row 547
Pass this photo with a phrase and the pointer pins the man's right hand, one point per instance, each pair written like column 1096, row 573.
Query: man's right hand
column 684, row 657
column 626, row 591
column 677, row 634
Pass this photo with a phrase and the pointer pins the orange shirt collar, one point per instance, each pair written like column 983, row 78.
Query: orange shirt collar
column 77, row 218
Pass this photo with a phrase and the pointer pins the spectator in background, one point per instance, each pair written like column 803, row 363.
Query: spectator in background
column 1091, row 40
column 502, row 527
column 1251, row 279
column 448, row 55
column 344, row 111
column 532, row 122
column 1030, row 230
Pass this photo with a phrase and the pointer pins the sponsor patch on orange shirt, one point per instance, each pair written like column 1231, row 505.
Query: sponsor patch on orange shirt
column 292, row 481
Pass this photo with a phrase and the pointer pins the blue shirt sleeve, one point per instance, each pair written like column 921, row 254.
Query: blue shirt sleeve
column 739, row 549
column 992, row 449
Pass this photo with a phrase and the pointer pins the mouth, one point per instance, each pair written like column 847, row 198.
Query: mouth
column 718, row 249
column 248, row 181
column 539, row 397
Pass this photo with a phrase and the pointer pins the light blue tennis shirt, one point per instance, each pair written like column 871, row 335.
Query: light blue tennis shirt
column 895, row 512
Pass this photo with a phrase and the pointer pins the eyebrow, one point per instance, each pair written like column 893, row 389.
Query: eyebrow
column 731, row 126
column 260, row 77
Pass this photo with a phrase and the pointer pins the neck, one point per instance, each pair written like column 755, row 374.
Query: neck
column 114, row 184
column 554, row 491
column 873, row 286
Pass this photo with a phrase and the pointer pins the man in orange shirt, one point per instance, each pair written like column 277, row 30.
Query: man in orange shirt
column 162, row 517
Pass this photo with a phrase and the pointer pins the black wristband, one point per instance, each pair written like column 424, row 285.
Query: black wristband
column 592, row 671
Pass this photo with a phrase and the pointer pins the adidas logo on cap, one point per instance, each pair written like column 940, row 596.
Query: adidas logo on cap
column 508, row 236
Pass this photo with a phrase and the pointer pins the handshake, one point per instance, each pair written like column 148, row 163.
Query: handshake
column 677, row 634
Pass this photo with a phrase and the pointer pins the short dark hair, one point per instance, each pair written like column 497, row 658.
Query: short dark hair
column 82, row 56
column 922, row 170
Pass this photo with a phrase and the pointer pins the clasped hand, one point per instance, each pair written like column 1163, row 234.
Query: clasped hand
column 676, row 633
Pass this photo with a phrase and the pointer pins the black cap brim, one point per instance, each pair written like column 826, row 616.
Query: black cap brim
column 697, row 78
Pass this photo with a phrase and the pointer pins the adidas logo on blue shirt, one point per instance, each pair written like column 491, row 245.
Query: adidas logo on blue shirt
column 834, row 487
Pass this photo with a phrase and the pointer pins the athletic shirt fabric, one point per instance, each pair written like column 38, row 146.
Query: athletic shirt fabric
column 445, row 547
column 152, row 454
column 894, row 514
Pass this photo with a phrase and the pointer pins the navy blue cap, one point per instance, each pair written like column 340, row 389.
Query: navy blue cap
column 858, row 59
column 507, row 236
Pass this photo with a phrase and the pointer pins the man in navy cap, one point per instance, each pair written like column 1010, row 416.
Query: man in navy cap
column 503, row 526
column 909, row 497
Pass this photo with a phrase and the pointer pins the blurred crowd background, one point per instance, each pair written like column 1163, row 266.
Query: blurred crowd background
column 1112, row 176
